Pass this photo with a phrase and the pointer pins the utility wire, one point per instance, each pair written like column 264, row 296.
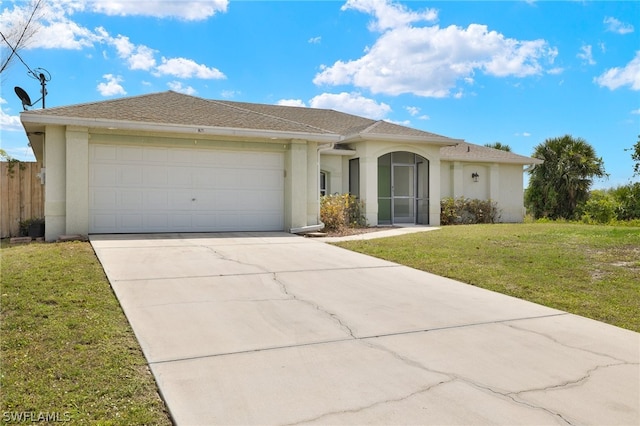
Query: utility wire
column 14, row 52
column 24, row 31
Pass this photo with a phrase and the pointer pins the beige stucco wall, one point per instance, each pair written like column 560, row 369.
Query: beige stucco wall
column 77, row 181
column 66, row 159
column 55, row 188
column 502, row 183
column 368, row 152
column 334, row 166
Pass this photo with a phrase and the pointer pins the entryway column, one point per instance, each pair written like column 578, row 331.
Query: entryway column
column 296, row 185
column 77, row 180
column 369, row 188
column 55, row 205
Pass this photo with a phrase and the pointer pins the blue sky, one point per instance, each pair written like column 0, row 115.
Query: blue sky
column 515, row 72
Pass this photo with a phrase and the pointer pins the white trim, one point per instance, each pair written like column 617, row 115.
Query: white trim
column 27, row 118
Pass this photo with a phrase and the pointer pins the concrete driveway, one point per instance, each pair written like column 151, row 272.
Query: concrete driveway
column 271, row 328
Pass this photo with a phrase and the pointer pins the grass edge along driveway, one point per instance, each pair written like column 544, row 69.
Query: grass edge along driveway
column 592, row 271
column 67, row 350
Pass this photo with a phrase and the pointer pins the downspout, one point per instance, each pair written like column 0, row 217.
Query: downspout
column 320, row 225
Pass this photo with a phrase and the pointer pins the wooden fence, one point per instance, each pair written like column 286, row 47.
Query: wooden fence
column 21, row 196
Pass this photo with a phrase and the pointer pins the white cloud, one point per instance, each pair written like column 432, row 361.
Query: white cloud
column 388, row 14
column 636, row 111
column 351, row 103
column 112, row 86
column 227, row 94
column 9, row 122
column 616, row 26
column 143, row 58
column 413, row 111
column 292, row 102
column 187, row 68
column 182, row 9
column 586, row 55
column 177, row 86
column 400, row 123
column 138, row 57
column 315, row 40
column 430, row 61
column 629, row 75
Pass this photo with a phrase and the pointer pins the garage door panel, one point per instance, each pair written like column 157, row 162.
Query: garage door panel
column 180, row 221
column 128, row 154
column 104, row 175
column 129, row 175
column 156, row 155
column 156, row 221
column 102, row 198
column 179, row 177
column 156, row 200
column 105, row 153
column 155, row 176
column 153, row 189
column 130, row 200
column 105, row 222
column 130, row 222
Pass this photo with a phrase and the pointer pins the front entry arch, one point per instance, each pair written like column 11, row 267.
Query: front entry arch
column 403, row 188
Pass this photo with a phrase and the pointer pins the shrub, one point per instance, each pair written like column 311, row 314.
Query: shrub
column 600, row 208
column 628, row 198
column 462, row 211
column 340, row 211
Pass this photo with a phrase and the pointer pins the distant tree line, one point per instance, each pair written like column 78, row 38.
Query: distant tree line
column 560, row 188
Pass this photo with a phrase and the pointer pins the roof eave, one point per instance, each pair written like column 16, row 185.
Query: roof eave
column 523, row 160
column 433, row 140
column 31, row 119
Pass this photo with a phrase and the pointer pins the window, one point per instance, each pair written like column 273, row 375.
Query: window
column 354, row 177
column 324, row 190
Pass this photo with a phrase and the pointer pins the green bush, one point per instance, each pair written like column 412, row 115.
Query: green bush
column 463, row 211
column 628, row 199
column 340, row 211
column 600, row 208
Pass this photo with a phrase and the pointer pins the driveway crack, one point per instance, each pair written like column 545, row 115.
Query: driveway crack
column 570, row 383
column 554, row 340
column 452, row 376
column 333, row 316
column 375, row 404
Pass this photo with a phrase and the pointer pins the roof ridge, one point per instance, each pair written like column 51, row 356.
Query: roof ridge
column 230, row 104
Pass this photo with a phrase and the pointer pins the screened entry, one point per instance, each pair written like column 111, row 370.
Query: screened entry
column 403, row 189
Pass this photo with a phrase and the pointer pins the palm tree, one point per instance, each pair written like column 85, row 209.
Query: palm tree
column 562, row 182
column 498, row 145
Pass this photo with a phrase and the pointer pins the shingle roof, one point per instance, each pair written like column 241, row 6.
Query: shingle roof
column 470, row 152
column 179, row 109
column 171, row 108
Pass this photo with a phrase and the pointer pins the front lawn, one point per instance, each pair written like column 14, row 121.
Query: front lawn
column 593, row 271
column 68, row 352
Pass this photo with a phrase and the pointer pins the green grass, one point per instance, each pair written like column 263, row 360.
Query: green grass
column 593, row 271
column 66, row 345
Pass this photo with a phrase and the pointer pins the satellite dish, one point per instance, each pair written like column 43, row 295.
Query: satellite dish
column 24, row 97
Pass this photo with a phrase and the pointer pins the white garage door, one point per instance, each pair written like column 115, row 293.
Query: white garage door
column 152, row 189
